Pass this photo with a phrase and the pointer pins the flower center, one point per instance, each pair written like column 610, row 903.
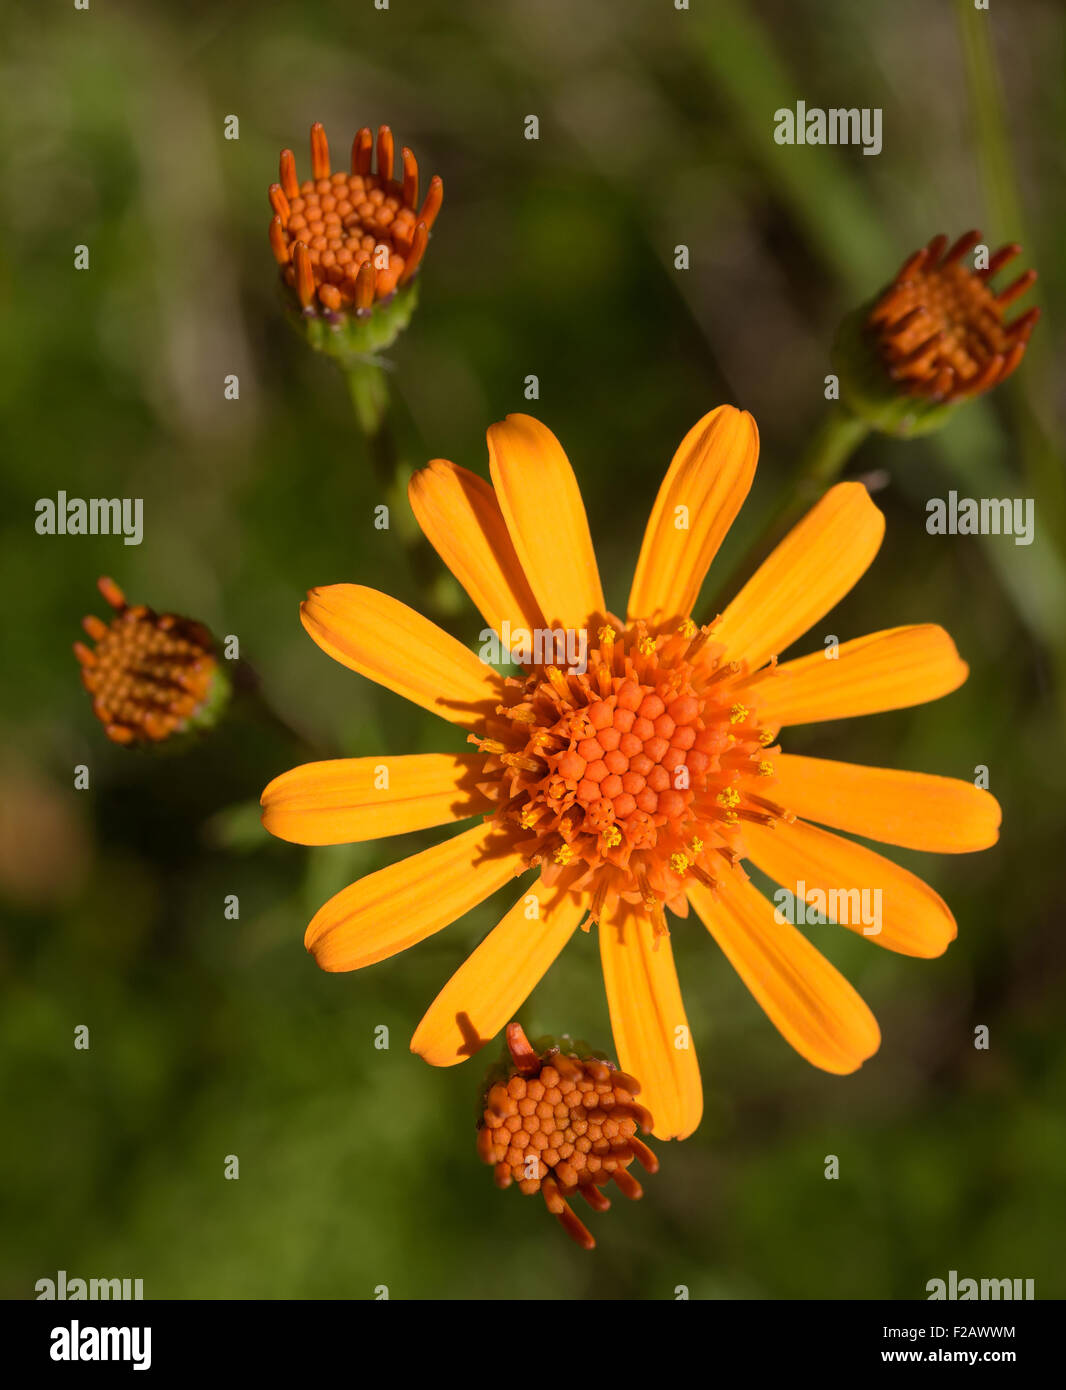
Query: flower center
column 576, row 1117
column 342, row 220
column 637, row 773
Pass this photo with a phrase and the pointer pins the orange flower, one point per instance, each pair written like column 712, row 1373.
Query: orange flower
column 939, row 328
column 151, row 675
column 347, row 241
column 560, row 1122
column 641, row 782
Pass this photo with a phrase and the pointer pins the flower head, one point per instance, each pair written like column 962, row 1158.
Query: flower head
column 933, row 339
column 151, row 675
column 940, row 328
column 349, row 244
column 561, row 1123
column 640, row 781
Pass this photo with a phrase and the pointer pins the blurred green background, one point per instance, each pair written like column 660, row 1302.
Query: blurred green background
column 212, row 1037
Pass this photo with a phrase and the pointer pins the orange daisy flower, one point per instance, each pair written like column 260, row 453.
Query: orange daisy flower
column 940, row 329
column 639, row 779
column 346, row 241
column 151, row 675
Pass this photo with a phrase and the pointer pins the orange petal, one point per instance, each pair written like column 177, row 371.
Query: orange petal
column 462, row 520
column 892, row 669
column 401, row 905
column 817, row 563
column 710, row 476
column 651, row 1032
column 806, row 999
column 541, row 502
column 392, row 644
column 911, row 918
column 913, row 809
column 343, row 800
column 491, row 985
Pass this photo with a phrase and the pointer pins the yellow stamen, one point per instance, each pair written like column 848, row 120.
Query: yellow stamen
column 492, row 746
column 558, row 682
column 521, row 714
column 521, row 760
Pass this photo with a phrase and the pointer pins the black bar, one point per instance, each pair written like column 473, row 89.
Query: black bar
column 314, row 1338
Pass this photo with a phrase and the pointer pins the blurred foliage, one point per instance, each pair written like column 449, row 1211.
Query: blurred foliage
column 213, row 1037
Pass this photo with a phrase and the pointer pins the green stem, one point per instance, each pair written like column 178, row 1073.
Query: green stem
column 986, row 108
column 838, row 435
column 1040, row 452
column 368, row 388
column 369, row 392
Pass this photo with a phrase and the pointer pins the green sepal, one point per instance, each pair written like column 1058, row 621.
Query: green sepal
column 353, row 339
column 870, row 393
column 215, row 705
